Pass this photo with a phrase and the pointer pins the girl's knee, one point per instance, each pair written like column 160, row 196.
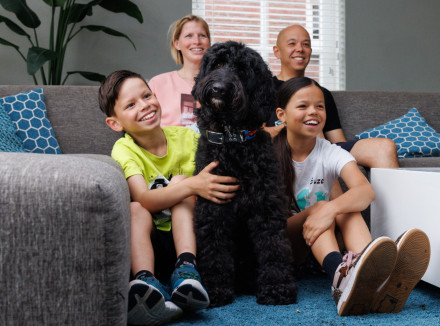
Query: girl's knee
column 177, row 178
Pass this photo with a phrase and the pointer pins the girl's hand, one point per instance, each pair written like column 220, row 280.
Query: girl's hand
column 320, row 218
column 216, row 188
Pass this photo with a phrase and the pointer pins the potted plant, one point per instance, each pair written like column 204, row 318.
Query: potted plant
column 66, row 16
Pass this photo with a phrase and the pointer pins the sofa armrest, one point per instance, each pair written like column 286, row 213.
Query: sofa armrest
column 64, row 240
column 420, row 162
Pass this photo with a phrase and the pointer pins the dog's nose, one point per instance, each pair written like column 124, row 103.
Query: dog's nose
column 218, row 88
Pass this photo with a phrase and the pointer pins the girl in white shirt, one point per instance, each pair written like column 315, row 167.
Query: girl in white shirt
column 310, row 166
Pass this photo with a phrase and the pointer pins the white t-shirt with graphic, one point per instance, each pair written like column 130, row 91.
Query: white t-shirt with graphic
column 314, row 176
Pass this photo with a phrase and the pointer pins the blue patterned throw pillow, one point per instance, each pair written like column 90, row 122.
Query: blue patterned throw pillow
column 28, row 112
column 412, row 135
column 9, row 141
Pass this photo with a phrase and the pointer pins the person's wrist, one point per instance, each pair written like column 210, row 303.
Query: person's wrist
column 333, row 208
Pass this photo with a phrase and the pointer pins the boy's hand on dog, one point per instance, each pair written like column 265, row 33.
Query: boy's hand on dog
column 216, row 188
column 321, row 217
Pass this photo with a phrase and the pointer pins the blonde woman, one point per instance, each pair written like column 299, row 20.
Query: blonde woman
column 190, row 38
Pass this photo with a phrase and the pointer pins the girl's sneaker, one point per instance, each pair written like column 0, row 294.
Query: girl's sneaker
column 413, row 254
column 359, row 276
column 187, row 290
column 149, row 303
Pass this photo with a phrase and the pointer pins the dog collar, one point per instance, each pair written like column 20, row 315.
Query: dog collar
column 228, row 137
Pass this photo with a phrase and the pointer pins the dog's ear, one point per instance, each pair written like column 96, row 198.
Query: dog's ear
column 194, row 89
column 197, row 79
column 203, row 69
column 268, row 103
column 264, row 95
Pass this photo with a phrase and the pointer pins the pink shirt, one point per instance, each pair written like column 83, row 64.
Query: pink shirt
column 174, row 96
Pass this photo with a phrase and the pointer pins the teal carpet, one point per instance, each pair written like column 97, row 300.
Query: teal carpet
column 315, row 306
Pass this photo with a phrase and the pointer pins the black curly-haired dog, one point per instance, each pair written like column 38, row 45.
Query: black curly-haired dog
column 241, row 245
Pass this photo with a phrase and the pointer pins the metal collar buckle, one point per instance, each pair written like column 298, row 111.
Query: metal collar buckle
column 213, row 137
column 220, row 138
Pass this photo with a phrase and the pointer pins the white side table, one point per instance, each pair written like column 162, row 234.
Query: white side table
column 408, row 198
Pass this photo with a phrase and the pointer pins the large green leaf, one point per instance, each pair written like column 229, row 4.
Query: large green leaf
column 124, row 6
column 37, row 57
column 7, row 43
column 88, row 75
column 13, row 26
column 24, row 14
column 97, row 28
column 78, row 12
column 55, row 3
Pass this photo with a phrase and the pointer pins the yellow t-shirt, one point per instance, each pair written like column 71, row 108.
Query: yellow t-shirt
column 157, row 171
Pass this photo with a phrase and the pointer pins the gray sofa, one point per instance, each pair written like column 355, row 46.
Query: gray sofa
column 362, row 110
column 65, row 223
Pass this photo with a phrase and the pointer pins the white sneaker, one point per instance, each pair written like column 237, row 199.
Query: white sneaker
column 149, row 304
column 413, row 254
column 359, row 276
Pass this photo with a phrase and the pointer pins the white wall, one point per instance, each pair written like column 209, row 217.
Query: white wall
column 99, row 52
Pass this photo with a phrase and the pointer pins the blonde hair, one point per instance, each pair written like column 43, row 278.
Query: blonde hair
column 176, row 29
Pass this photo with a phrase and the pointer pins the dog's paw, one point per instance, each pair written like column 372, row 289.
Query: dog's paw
column 220, row 297
column 277, row 294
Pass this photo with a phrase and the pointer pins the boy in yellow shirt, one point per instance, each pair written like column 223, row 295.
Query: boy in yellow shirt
column 158, row 164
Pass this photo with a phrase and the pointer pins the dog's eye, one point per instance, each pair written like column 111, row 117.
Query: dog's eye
column 218, row 65
column 242, row 73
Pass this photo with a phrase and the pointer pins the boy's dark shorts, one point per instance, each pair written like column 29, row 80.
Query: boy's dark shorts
column 347, row 145
column 164, row 254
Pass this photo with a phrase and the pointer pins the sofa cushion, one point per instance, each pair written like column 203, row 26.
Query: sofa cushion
column 9, row 141
column 64, row 240
column 412, row 135
column 28, row 112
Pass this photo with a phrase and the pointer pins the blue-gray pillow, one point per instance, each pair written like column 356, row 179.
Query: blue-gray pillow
column 412, row 135
column 9, row 140
column 28, row 112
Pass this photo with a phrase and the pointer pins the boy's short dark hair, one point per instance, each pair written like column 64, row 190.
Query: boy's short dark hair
column 109, row 89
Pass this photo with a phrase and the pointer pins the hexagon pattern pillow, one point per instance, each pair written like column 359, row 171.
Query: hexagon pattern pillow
column 412, row 135
column 9, row 140
column 28, row 112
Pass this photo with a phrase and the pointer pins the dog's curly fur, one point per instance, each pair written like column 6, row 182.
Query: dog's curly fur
column 241, row 245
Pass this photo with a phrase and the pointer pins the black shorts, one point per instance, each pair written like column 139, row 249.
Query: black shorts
column 164, row 254
column 347, row 145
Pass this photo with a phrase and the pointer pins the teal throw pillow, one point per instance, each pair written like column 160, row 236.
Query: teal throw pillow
column 28, row 112
column 9, row 140
column 412, row 135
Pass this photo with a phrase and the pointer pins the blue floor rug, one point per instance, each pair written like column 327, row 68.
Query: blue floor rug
column 315, row 306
